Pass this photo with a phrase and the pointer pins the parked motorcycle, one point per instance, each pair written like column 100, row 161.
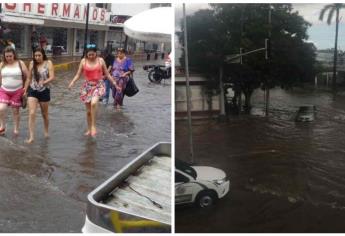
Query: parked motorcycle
column 157, row 72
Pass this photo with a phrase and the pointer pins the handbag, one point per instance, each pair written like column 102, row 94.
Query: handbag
column 131, row 88
column 24, row 101
column 24, row 98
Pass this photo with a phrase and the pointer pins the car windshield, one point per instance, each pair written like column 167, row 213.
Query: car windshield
column 306, row 109
column 185, row 167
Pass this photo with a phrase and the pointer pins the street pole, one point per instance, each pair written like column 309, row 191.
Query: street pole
column 86, row 27
column 190, row 132
column 125, row 46
column 240, row 93
column 222, row 95
column 268, row 57
column 334, row 81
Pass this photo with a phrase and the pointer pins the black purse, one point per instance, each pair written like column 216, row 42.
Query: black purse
column 23, row 99
column 131, row 88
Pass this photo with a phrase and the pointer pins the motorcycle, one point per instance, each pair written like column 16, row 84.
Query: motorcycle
column 158, row 72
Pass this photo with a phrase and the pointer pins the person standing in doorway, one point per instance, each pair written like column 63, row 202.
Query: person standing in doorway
column 34, row 41
column 93, row 68
column 43, row 41
column 13, row 74
column 41, row 73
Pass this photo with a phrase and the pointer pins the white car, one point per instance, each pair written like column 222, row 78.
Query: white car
column 201, row 185
column 306, row 113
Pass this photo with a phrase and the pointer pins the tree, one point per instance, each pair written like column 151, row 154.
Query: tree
column 225, row 28
column 331, row 8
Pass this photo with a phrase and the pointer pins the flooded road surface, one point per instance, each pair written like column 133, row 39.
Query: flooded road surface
column 285, row 176
column 45, row 185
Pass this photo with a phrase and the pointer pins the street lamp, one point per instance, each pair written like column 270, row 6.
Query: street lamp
column 190, row 132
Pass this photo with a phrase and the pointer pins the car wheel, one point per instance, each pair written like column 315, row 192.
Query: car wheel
column 205, row 199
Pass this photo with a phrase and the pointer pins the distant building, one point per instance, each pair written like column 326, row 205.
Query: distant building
column 203, row 105
column 326, row 57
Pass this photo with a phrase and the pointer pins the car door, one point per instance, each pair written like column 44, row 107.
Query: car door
column 183, row 188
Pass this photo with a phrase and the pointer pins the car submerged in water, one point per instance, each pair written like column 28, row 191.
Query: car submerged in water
column 306, row 113
column 201, row 185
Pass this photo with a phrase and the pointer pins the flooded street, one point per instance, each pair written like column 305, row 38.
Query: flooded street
column 285, row 176
column 45, row 185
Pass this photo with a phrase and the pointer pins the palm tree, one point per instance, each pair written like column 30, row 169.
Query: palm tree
column 331, row 8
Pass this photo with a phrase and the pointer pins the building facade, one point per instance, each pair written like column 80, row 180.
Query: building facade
column 203, row 105
column 62, row 26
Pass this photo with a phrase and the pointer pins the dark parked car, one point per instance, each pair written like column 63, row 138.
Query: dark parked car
column 306, row 113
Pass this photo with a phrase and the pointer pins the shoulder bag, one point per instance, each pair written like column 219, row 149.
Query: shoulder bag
column 24, row 98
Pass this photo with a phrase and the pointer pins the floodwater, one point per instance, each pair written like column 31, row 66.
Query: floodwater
column 285, row 176
column 45, row 184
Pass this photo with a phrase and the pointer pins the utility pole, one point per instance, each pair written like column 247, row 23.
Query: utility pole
column 86, row 27
column 222, row 95
column 240, row 93
column 189, row 114
column 241, row 62
column 334, row 81
column 268, row 58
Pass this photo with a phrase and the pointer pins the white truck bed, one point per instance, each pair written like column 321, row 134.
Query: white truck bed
column 152, row 181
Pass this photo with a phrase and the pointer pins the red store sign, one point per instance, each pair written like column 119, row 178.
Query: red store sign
column 119, row 19
column 67, row 11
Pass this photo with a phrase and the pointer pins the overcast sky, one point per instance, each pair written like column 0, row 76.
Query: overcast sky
column 321, row 34
column 129, row 9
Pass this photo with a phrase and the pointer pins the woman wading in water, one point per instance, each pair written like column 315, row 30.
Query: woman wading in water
column 93, row 68
column 41, row 73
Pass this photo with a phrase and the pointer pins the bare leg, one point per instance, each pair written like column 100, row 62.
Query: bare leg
column 3, row 108
column 88, row 118
column 94, row 106
column 32, row 104
column 44, row 110
column 15, row 111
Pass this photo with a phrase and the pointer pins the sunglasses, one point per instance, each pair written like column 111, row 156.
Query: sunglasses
column 121, row 50
column 89, row 46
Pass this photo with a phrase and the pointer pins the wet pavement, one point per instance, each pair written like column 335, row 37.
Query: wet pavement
column 285, row 176
column 45, row 185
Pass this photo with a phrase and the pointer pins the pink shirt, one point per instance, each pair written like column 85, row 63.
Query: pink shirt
column 93, row 74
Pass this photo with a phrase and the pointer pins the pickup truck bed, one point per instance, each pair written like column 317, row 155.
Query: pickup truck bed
column 135, row 199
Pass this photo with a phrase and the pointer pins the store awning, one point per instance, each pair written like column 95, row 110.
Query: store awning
column 154, row 25
column 22, row 20
column 76, row 25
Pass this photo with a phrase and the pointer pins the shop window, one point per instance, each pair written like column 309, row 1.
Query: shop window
column 115, row 39
column 79, row 46
column 53, row 40
column 14, row 33
column 94, row 37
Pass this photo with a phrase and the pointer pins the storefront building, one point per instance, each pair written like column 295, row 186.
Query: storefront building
column 61, row 25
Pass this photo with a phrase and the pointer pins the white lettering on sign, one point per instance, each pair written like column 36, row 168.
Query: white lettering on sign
column 66, row 11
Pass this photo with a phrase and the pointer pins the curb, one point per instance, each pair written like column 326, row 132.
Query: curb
column 65, row 66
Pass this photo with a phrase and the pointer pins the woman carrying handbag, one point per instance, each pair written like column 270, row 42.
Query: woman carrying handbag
column 13, row 73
